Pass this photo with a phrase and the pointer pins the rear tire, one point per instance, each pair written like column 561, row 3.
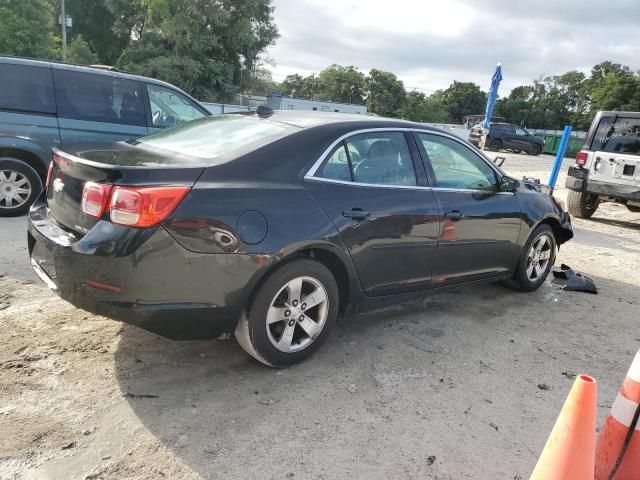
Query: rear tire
column 495, row 144
column 280, row 327
column 20, row 185
column 582, row 205
column 536, row 260
column 535, row 150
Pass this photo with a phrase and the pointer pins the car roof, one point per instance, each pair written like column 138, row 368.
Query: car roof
column 94, row 70
column 308, row 118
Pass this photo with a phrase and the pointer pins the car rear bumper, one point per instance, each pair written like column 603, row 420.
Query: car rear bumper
column 142, row 277
column 578, row 180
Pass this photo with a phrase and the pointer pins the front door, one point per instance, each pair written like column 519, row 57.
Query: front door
column 385, row 213
column 479, row 224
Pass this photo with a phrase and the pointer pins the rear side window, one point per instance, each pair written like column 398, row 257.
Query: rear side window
column 27, row 89
column 617, row 135
column 99, row 98
column 380, row 158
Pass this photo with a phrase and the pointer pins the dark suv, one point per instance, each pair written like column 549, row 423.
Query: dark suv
column 507, row 136
column 46, row 104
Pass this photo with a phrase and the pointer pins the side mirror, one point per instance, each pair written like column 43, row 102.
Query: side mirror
column 508, row 184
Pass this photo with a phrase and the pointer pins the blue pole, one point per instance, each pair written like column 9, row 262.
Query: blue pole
column 562, row 149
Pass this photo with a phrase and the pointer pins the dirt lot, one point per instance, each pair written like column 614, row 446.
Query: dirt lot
column 462, row 384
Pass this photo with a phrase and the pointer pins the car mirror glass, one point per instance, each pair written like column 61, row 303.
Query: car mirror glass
column 507, row 184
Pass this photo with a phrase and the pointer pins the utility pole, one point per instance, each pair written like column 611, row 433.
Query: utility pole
column 63, row 16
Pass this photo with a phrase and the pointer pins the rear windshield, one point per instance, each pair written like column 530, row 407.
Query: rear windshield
column 213, row 137
column 618, row 135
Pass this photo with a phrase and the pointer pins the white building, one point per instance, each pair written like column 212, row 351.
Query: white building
column 279, row 102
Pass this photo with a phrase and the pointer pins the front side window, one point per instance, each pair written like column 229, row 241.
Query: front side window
column 380, row 158
column 521, row 132
column 455, row 166
column 25, row 88
column 99, row 98
column 169, row 108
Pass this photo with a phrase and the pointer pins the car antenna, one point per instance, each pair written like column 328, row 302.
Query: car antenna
column 263, row 111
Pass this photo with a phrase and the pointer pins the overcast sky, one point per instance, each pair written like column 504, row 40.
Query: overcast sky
column 430, row 43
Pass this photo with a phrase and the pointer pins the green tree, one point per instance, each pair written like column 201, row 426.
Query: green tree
column 464, row 98
column 80, row 52
column 341, row 84
column 27, row 29
column 94, row 20
column 614, row 87
column 203, row 47
column 421, row 108
column 385, row 93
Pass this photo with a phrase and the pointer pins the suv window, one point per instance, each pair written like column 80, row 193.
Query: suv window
column 99, row 98
column 169, row 108
column 521, row 132
column 26, row 88
column 617, row 135
column 380, row 158
column 457, row 167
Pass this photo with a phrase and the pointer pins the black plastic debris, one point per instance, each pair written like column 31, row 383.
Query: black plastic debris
column 581, row 283
column 576, row 282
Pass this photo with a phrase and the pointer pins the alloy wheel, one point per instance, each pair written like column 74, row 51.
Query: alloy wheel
column 538, row 258
column 297, row 314
column 15, row 189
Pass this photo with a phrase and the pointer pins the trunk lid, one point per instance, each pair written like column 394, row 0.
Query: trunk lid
column 117, row 164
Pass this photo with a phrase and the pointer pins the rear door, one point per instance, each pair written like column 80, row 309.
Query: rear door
column 616, row 144
column 98, row 107
column 370, row 188
column 480, row 225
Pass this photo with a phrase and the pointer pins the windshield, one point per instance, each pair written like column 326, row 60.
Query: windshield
column 213, row 137
column 617, row 135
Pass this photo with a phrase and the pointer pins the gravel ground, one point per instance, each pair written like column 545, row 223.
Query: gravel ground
column 465, row 383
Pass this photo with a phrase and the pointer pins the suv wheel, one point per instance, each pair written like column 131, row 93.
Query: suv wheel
column 291, row 314
column 582, row 205
column 535, row 150
column 495, row 144
column 19, row 186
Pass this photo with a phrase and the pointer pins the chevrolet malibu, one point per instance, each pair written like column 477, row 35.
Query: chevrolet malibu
column 272, row 225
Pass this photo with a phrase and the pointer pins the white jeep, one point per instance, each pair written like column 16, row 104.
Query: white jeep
column 607, row 169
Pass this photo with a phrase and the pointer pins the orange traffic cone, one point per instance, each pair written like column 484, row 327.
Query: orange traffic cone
column 569, row 451
column 618, row 449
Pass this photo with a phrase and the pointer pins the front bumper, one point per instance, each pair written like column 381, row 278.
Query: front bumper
column 143, row 277
column 578, row 180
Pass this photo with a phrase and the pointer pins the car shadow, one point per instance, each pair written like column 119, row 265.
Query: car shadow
column 631, row 225
column 227, row 416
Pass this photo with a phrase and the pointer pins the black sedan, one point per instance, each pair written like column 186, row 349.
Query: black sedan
column 272, row 225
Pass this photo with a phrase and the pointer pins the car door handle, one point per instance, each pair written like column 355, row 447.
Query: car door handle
column 355, row 214
column 454, row 215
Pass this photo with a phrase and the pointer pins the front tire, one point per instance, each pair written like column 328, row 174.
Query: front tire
column 20, row 185
column 291, row 314
column 535, row 150
column 536, row 260
column 582, row 205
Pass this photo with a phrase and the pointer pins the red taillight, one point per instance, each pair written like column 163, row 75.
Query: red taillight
column 144, row 206
column 95, row 198
column 46, row 184
column 581, row 158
